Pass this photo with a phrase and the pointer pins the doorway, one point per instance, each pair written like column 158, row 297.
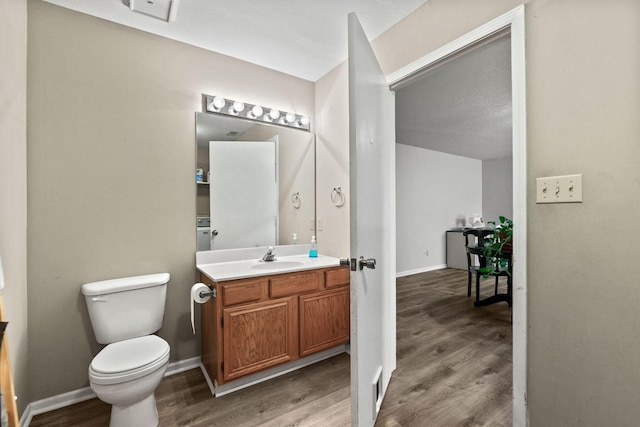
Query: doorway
column 454, row 152
column 513, row 23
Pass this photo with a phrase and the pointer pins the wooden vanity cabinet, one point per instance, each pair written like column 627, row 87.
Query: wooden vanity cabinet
column 257, row 323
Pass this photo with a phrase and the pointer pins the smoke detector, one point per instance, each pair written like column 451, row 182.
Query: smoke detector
column 160, row 9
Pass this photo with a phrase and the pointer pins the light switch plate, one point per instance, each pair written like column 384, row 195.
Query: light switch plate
column 559, row 189
column 161, row 9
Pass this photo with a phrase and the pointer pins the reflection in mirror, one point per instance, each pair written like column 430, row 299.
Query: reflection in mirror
column 230, row 223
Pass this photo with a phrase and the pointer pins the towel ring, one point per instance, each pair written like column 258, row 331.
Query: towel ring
column 337, row 196
column 295, row 200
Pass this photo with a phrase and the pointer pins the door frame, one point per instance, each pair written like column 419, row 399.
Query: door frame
column 515, row 20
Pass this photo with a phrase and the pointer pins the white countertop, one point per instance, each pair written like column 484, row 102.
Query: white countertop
column 254, row 267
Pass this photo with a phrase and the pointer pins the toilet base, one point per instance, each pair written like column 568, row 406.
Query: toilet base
column 141, row 414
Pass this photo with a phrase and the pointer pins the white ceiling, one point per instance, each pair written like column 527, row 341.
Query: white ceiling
column 303, row 38
column 461, row 107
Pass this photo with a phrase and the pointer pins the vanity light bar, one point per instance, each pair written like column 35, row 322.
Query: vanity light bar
column 229, row 107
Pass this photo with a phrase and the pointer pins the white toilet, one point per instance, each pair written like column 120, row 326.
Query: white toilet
column 124, row 313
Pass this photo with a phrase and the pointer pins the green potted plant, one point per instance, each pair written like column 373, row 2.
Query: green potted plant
column 498, row 243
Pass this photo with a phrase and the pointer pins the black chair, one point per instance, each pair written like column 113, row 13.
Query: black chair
column 475, row 249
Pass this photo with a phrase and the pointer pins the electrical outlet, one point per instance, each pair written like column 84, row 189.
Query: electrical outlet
column 320, row 224
column 425, row 252
column 559, row 189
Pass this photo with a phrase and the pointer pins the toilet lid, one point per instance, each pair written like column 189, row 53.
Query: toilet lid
column 129, row 355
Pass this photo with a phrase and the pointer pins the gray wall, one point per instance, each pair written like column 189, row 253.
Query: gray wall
column 433, row 190
column 497, row 189
column 582, row 68
column 332, row 160
column 13, row 186
column 111, row 158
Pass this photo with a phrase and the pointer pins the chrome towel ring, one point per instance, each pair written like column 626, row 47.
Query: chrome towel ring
column 295, row 200
column 337, row 197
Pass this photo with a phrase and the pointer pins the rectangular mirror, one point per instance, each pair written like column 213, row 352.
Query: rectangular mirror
column 228, row 207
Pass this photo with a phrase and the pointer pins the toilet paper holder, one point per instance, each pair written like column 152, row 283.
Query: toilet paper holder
column 212, row 293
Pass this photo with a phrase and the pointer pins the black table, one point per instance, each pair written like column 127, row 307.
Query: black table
column 497, row 297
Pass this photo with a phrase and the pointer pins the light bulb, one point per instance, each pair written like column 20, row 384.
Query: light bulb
column 236, row 108
column 274, row 114
column 290, row 117
column 218, row 103
column 255, row 112
column 304, row 121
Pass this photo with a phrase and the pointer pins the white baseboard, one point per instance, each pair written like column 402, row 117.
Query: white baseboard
column 76, row 396
column 54, row 402
column 182, row 365
column 26, row 417
column 420, row 270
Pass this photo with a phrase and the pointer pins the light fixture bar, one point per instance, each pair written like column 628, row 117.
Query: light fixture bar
column 259, row 113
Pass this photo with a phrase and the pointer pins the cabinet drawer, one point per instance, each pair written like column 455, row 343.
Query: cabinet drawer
column 243, row 291
column 336, row 278
column 292, row 284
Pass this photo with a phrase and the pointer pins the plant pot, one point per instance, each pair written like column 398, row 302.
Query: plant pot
column 508, row 245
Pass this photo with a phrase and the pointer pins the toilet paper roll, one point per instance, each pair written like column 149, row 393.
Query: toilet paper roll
column 196, row 290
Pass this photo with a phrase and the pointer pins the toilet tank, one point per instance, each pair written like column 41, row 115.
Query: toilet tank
column 126, row 308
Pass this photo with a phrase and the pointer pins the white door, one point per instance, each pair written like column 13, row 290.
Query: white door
column 243, row 194
column 373, row 228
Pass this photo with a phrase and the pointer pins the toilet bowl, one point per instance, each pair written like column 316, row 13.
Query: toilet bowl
column 124, row 313
column 125, row 374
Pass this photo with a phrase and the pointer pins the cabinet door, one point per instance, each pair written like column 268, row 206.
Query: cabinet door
column 324, row 320
column 258, row 336
column 456, row 250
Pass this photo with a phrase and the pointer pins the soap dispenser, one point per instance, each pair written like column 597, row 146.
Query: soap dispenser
column 313, row 253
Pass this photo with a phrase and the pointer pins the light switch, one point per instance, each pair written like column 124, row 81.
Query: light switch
column 559, row 189
column 320, row 224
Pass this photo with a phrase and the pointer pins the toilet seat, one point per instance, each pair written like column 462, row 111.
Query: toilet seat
column 127, row 360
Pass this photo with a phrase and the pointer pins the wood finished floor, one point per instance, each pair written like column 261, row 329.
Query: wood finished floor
column 453, row 369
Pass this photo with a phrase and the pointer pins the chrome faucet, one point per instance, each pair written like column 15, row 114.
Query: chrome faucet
column 270, row 255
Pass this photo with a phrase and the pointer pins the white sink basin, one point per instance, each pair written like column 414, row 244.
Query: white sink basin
column 276, row 265
column 255, row 267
